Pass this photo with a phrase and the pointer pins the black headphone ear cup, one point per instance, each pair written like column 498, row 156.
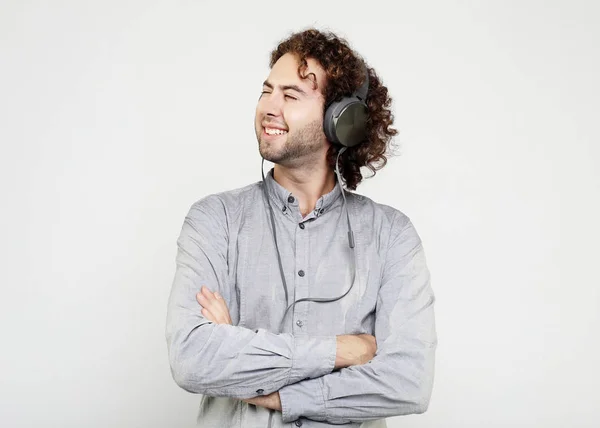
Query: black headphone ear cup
column 329, row 121
column 345, row 122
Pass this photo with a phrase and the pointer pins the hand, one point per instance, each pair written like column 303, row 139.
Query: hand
column 271, row 401
column 214, row 307
column 354, row 350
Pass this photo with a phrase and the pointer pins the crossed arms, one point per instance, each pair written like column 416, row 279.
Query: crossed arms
column 295, row 374
column 350, row 349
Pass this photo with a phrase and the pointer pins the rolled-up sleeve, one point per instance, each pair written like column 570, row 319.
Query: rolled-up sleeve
column 399, row 379
column 220, row 359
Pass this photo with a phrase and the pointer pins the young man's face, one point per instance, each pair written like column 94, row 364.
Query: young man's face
column 289, row 114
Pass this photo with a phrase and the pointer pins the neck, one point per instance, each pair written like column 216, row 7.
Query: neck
column 308, row 184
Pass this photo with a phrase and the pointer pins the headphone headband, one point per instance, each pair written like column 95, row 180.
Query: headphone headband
column 364, row 88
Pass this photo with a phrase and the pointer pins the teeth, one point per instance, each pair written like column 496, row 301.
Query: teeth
column 273, row 131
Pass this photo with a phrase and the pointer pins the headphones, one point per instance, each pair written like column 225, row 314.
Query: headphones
column 345, row 121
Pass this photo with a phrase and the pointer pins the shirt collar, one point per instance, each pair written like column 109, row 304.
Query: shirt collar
column 284, row 198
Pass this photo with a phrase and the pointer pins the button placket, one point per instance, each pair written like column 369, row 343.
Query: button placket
column 301, row 279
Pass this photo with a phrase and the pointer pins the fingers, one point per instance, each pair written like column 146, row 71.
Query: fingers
column 207, row 300
column 219, row 307
column 214, row 306
column 206, row 314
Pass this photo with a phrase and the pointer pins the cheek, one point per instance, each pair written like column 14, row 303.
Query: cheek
column 258, row 117
column 305, row 115
column 260, row 110
column 297, row 118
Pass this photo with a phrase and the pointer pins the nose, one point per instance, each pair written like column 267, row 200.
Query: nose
column 271, row 104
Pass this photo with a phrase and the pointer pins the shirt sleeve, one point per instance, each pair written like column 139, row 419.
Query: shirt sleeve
column 221, row 359
column 399, row 379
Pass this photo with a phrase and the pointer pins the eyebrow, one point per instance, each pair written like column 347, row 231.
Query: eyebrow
column 284, row 87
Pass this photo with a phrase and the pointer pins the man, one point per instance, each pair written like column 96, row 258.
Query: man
column 278, row 314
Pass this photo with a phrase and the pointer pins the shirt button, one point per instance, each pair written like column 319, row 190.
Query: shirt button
column 291, row 199
column 260, row 391
column 299, row 323
column 298, row 423
column 301, row 225
column 284, row 208
column 301, row 272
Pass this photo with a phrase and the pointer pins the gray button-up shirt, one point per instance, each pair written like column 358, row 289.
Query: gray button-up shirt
column 227, row 245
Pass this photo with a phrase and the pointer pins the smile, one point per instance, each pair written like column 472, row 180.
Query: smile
column 274, row 131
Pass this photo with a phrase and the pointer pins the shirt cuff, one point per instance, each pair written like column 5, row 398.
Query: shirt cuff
column 314, row 356
column 303, row 399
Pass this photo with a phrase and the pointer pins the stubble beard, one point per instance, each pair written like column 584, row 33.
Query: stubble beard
column 298, row 145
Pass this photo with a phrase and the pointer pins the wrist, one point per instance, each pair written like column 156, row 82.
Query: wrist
column 277, row 401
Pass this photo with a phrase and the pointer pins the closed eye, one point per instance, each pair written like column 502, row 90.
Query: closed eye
column 285, row 95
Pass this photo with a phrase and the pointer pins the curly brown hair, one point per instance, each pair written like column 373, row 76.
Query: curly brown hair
column 344, row 75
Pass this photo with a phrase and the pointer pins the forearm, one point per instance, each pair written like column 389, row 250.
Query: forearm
column 225, row 360
column 309, row 356
column 394, row 384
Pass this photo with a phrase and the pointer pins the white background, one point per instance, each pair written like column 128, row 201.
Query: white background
column 115, row 116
